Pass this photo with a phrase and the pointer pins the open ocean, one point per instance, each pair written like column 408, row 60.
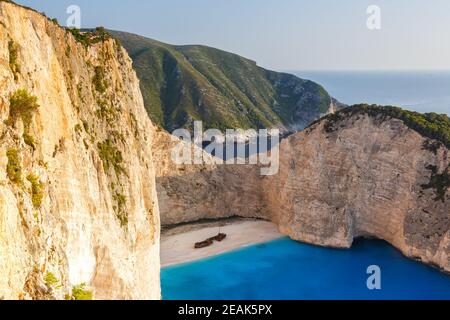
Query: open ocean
column 285, row 269
column 422, row 91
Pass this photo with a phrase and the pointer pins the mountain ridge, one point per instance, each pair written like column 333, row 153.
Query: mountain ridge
column 185, row 83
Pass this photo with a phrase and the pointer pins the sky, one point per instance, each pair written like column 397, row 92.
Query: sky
column 284, row 34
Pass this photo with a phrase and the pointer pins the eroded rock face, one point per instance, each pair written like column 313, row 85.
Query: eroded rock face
column 189, row 193
column 83, row 209
column 367, row 178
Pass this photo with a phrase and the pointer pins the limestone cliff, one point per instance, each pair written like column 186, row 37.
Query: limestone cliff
column 366, row 176
column 363, row 175
column 189, row 193
column 79, row 215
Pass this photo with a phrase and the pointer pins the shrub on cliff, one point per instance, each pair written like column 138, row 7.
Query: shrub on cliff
column 50, row 279
column 99, row 79
column 14, row 168
column 89, row 37
column 13, row 58
column 111, row 156
column 22, row 105
column 80, row 293
column 37, row 190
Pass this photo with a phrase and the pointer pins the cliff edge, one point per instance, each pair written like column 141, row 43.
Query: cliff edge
column 79, row 215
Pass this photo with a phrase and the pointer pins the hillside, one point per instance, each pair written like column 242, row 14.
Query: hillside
column 181, row 84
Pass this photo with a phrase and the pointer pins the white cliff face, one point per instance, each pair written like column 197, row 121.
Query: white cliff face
column 97, row 224
column 367, row 179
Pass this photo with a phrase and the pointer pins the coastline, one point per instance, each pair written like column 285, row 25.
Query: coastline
column 177, row 243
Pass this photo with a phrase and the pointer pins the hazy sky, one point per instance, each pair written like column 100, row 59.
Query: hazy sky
column 284, row 34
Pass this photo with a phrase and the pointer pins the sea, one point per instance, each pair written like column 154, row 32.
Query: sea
column 285, row 269
column 421, row 91
column 288, row 270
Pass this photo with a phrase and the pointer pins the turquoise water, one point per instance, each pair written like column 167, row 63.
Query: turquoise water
column 285, row 269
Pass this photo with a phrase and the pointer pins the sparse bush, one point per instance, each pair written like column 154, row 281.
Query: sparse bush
column 29, row 140
column 111, row 156
column 101, row 33
column 37, row 190
column 99, row 79
column 89, row 38
column 14, row 168
column 80, row 293
column 120, row 209
column 22, row 105
column 50, row 279
column 82, row 37
column 14, row 58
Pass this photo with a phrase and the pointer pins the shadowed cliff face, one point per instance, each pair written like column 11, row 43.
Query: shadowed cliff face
column 78, row 208
column 368, row 177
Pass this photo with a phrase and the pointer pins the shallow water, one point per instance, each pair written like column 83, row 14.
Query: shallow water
column 285, row 269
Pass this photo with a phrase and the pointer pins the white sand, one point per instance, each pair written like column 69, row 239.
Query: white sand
column 179, row 248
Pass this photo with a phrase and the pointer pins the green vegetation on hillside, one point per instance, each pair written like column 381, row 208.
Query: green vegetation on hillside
column 88, row 37
column 431, row 125
column 182, row 84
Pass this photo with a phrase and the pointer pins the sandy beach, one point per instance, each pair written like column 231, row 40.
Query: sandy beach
column 177, row 244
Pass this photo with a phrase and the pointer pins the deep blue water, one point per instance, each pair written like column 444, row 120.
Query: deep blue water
column 423, row 91
column 285, row 269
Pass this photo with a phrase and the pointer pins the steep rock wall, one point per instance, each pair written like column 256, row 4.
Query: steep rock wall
column 189, row 193
column 79, row 214
column 365, row 179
